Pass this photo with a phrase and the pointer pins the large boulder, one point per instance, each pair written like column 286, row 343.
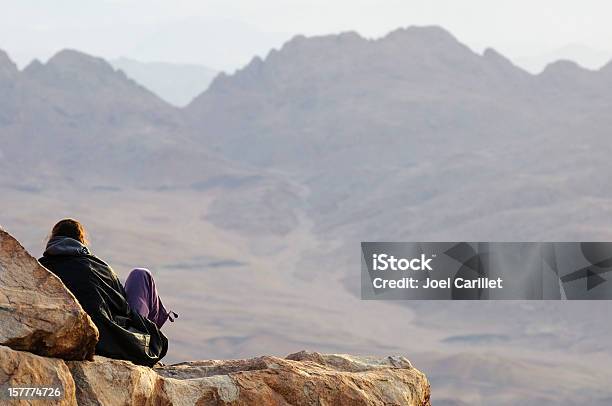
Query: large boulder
column 300, row 379
column 37, row 312
column 24, row 370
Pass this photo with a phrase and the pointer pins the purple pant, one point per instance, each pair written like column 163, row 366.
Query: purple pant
column 143, row 297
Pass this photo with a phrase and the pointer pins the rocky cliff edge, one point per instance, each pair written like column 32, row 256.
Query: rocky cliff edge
column 47, row 340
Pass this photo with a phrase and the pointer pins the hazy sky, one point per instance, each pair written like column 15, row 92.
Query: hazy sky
column 225, row 34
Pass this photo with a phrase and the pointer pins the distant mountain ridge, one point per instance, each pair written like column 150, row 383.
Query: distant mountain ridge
column 317, row 104
column 589, row 58
column 57, row 116
column 421, row 77
column 331, row 100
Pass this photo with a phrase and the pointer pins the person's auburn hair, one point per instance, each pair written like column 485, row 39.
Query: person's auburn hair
column 70, row 228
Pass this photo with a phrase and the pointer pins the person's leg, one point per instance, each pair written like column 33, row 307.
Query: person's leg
column 143, row 298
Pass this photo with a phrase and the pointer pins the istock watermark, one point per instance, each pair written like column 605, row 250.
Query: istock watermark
column 486, row 270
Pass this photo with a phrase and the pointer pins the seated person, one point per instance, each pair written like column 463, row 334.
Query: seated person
column 129, row 320
column 142, row 296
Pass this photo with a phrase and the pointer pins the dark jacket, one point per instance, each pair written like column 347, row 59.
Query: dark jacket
column 124, row 334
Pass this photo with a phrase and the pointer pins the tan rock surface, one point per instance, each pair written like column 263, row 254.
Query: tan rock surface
column 20, row 369
column 37, row 313
column 300, row 379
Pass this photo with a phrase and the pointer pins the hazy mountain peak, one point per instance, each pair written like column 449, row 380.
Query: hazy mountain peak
column 413, row 54
column 432, row 35
column 69, row 69
column 33, row 67
column 349, row 35
column 7, row 66
column 296, row 39
column 589, row 58
column 325, row 49
column 301, row 43
column 5, row 59
column 297, row 57
column 494, row 58
column 432, row 44
column 71, row 60
column 564, row 67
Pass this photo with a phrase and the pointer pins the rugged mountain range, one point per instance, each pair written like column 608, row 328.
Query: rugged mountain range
column 77, row 119
column 251, row 201
column 416, row 129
